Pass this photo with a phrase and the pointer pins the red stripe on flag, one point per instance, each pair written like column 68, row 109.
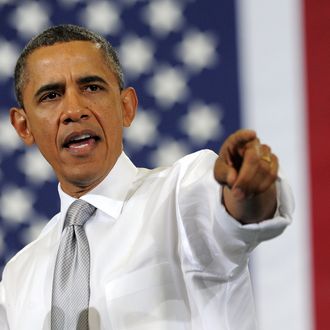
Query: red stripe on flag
column 317, row 25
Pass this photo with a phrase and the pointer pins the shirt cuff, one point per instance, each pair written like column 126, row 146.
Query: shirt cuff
column 253, row 234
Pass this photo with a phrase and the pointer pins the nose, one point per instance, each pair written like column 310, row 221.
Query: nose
column 74, row 108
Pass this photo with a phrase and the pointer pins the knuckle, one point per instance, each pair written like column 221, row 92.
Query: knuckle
column 266, row 148
column 251, row 156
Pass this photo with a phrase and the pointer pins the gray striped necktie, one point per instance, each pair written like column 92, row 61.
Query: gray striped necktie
column 70, row 296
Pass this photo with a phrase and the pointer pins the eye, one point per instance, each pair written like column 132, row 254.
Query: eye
column 93, row 88
column 49, row 96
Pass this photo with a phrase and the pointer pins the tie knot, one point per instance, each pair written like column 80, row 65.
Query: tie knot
column 78, row 213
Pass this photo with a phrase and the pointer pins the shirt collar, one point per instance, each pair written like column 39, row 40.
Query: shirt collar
column 110, row 194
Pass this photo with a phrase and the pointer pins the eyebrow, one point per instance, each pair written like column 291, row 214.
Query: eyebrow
column 57, row 86
column 91, row 79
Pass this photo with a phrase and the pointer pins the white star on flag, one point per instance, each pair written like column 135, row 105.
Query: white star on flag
column 9, row 140
column 143, row 130
column 168, row 86
column 30, row 18
column 136, row 55
column 102, row 16
column 35, row 167
column 16, row 203
column 168, row 152
column 197, row 50
column 8, row 55
column 163, row 16
column 202, row 123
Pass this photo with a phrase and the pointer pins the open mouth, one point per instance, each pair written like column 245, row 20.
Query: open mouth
column 80, row 140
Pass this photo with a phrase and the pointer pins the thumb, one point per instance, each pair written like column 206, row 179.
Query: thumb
column 224, row 173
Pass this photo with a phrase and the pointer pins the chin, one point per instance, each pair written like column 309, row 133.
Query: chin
column 84, row 179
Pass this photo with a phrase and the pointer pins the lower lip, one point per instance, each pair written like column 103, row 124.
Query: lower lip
column 82, row 148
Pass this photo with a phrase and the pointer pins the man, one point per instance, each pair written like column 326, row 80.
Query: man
column 167, row 248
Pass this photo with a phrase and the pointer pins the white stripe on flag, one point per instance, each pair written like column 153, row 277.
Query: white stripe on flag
column 272, row 75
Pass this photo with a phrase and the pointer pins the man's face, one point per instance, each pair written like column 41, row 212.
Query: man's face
column 74, row 112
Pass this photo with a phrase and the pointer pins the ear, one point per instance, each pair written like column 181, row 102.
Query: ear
column 20, row 122
column 129, row 102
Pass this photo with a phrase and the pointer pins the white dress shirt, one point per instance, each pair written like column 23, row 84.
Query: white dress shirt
column 165, row 254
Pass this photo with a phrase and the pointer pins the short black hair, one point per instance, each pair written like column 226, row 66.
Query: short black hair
column 60, row 34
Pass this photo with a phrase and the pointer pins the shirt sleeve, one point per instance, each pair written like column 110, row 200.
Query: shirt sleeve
column 255, row 233
column 3, row 315
column 212, row 240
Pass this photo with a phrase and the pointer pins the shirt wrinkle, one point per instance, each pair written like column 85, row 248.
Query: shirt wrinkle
column 156, row 262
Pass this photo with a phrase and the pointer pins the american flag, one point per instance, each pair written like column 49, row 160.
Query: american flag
column 202, row 69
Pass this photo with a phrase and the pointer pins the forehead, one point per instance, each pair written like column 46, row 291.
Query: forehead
column 67, row 57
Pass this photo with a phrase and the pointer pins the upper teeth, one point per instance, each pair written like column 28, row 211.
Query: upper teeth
column 81, row 137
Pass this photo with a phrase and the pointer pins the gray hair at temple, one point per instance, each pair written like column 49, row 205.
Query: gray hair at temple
column 59, row 34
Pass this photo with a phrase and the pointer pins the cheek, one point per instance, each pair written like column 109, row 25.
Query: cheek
column 110, row 120
column 44, row 130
